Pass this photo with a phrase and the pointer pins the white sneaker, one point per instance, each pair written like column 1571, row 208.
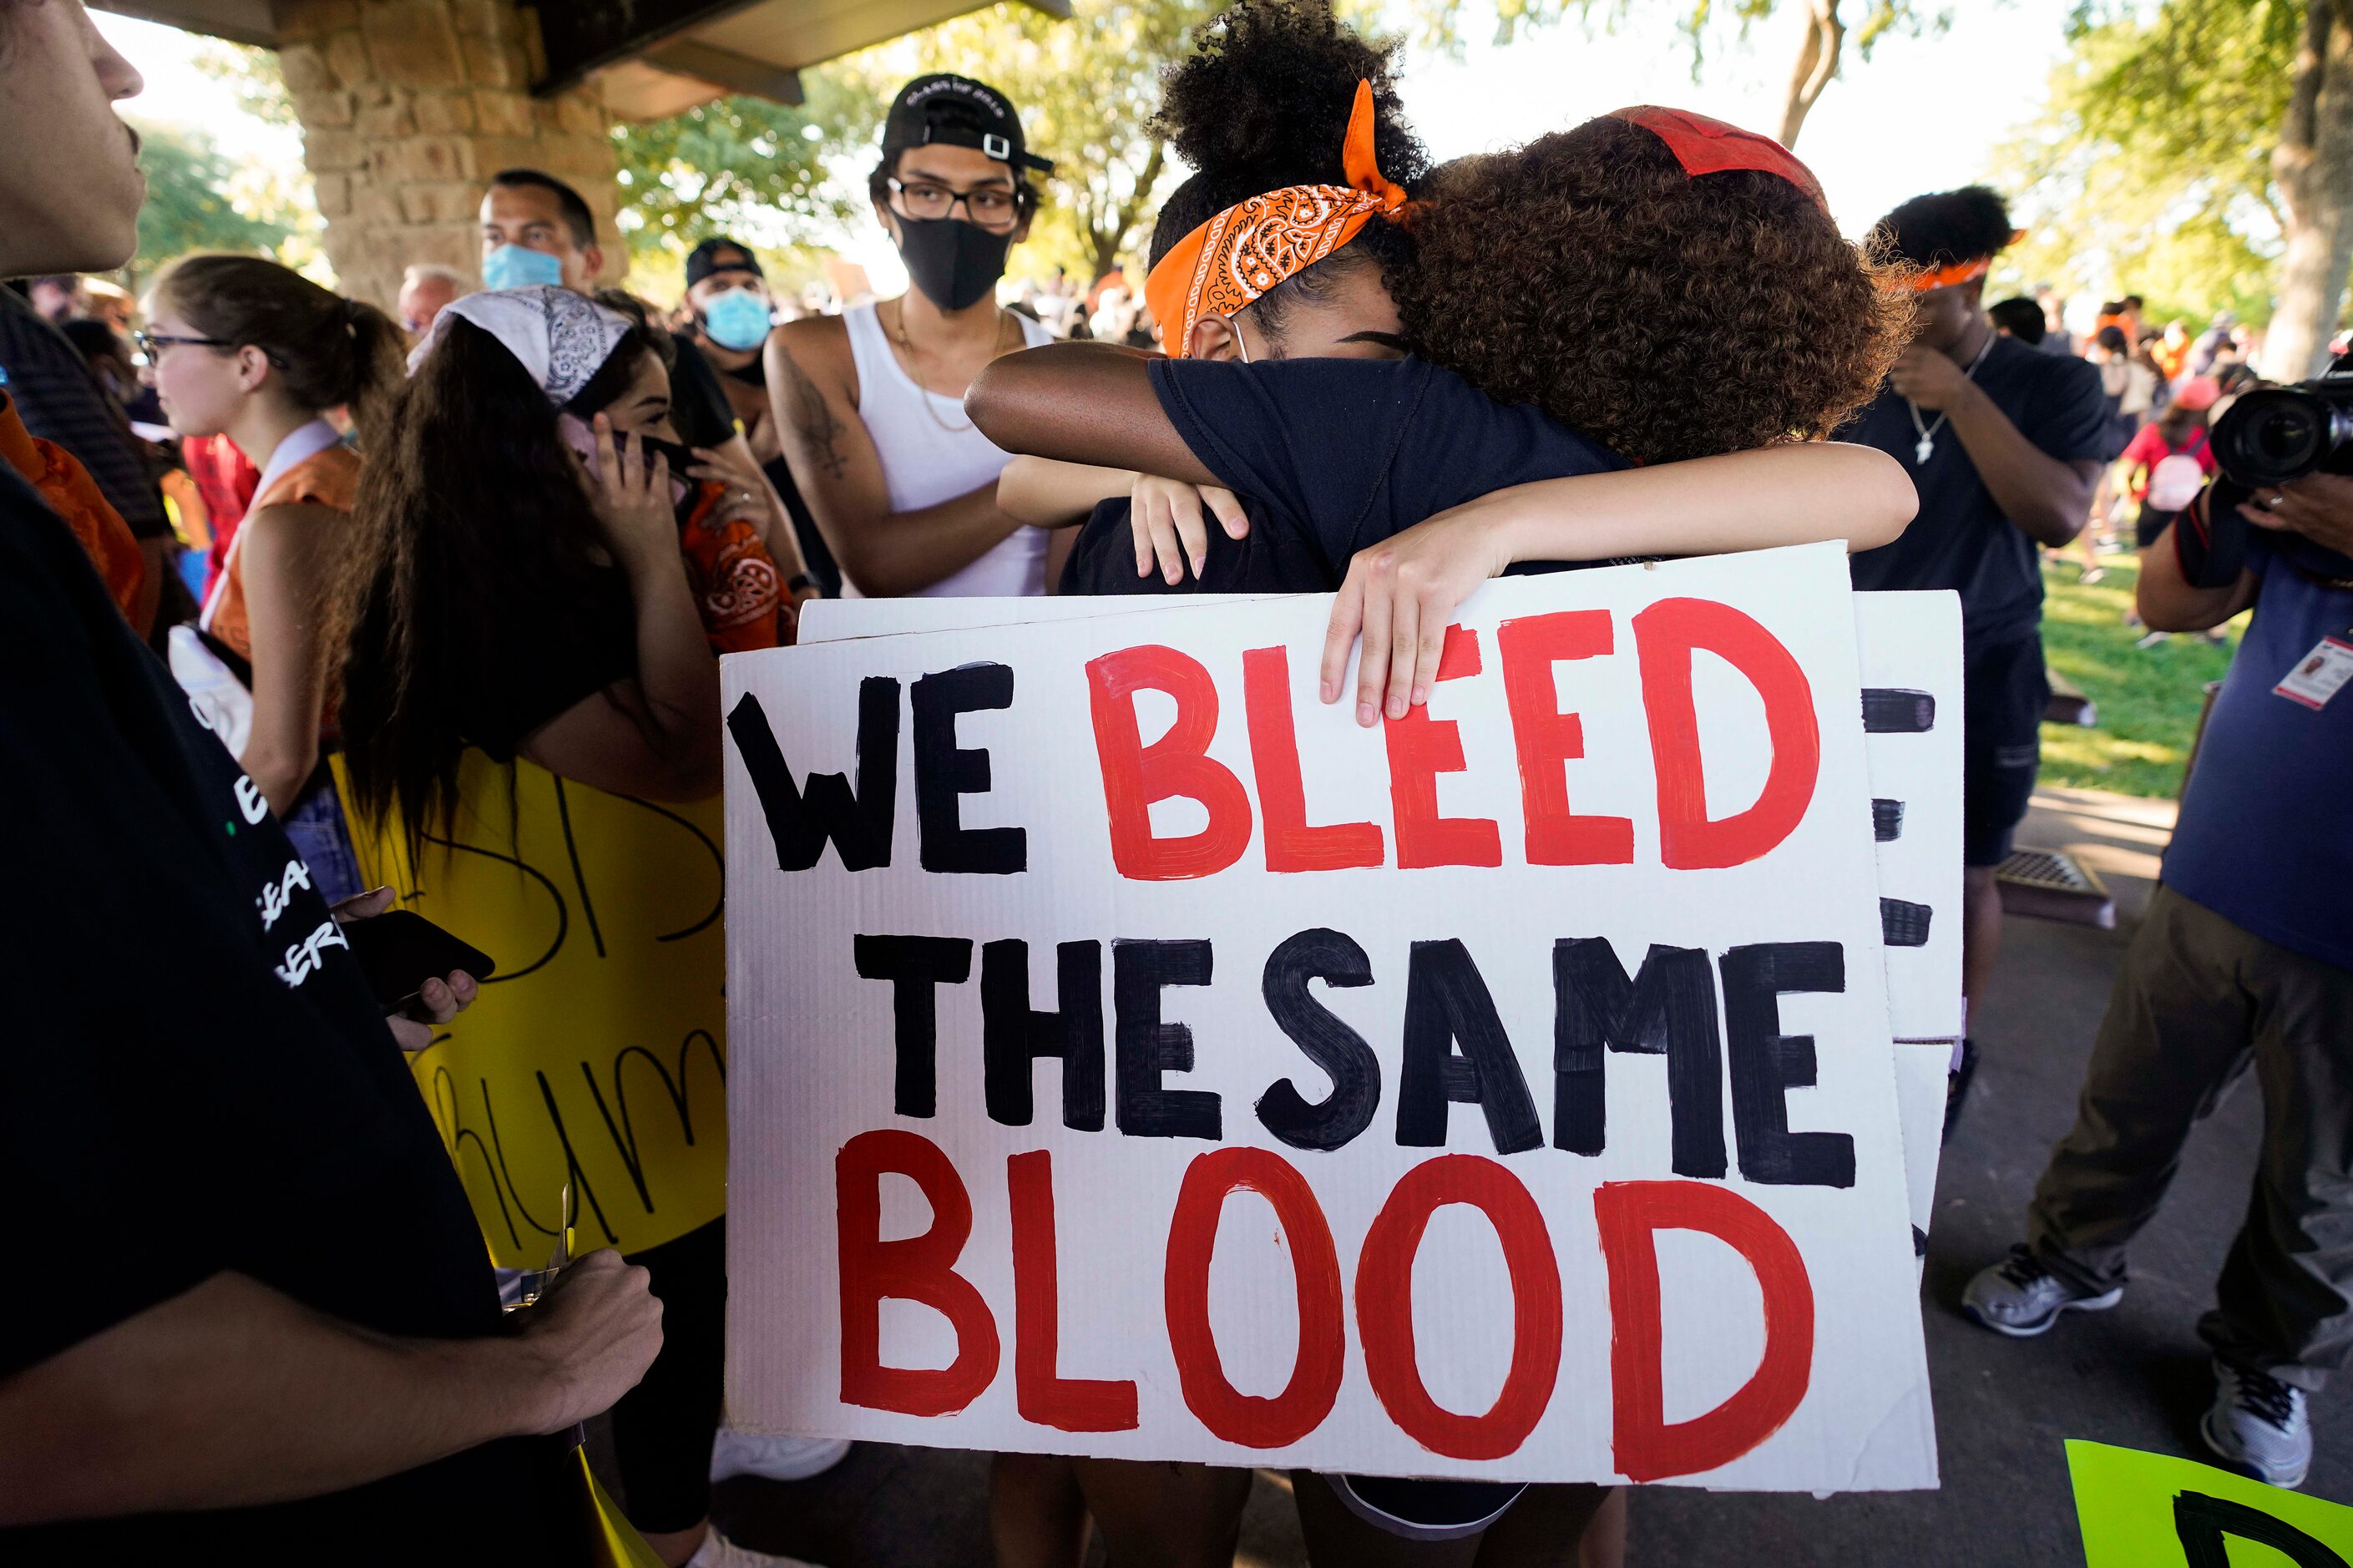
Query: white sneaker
column 718, row 1551
column 2020, row 1297
column 2259, row 1424
column 774, row 1459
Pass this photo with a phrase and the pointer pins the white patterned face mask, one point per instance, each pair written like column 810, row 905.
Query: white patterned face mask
column 559, row 338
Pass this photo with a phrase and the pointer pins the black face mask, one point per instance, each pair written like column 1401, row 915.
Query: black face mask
column 955, row 263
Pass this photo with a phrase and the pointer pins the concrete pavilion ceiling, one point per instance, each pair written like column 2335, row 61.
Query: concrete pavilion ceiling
column 651, row 57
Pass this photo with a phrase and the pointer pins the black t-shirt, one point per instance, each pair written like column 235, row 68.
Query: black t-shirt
column 705, row 418
column 698, row 404
column 193, row 1078
column 1960, row 540
column 1331, row 456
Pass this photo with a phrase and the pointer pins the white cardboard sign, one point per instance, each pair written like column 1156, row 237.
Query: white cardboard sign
column 1909, row 645
column 1130, row 1055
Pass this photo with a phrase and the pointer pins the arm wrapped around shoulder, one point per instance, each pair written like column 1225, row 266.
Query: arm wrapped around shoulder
column 2210, row 538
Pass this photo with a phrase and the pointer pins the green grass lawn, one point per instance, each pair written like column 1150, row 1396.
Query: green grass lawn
column 2148, row 699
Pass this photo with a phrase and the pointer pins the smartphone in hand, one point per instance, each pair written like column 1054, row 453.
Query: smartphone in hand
column 399, row 951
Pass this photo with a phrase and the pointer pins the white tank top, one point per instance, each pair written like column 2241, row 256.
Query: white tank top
column 931, row 452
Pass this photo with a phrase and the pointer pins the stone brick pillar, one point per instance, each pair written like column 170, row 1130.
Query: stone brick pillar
column 407, row 108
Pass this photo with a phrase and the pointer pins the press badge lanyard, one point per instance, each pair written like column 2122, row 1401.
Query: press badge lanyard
column 2321, row 674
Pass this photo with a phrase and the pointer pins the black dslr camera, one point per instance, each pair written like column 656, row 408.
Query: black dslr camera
column 2277, row 434
column 2272, row 436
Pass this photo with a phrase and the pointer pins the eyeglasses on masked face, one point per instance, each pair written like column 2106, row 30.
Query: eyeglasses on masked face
column 993, row 208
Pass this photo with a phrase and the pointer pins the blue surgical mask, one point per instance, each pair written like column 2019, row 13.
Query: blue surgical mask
column 736, row 320
column 512, row 267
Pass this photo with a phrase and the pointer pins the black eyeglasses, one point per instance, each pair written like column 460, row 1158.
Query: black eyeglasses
column 992, row 208
column 151, row 343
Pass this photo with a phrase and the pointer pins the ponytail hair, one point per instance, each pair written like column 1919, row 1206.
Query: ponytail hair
column 328, row 351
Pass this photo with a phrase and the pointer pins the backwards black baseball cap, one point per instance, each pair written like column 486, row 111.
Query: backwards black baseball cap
column 719, row 254
column 950, row 111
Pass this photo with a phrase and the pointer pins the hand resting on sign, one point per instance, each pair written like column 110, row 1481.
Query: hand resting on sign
column 438, row 1001
column 1401, row 593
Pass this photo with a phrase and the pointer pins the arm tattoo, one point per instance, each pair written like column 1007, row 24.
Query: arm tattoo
column 815, row 420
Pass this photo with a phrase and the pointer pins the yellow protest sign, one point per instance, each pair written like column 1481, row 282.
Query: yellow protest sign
column 2152, row 1510
column 597, row 1055
column 613, row 1541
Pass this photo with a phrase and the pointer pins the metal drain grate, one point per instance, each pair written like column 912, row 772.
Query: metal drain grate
column 2053, row 885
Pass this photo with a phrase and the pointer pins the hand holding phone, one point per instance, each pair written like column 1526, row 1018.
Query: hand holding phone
column 399, row 951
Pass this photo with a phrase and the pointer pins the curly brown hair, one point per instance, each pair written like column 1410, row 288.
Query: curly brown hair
column 1664, row 315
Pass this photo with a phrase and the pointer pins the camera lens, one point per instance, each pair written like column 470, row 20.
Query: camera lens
column 2287, row 438
column 2274, row 435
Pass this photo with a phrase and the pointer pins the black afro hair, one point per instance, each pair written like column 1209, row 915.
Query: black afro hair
column 1945, row 229
column 1262, row 103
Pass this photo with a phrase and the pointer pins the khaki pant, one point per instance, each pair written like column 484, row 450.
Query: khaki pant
column 2197, row 1001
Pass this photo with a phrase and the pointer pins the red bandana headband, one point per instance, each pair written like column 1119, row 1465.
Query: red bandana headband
column 1245, row 251
column 1704, row 146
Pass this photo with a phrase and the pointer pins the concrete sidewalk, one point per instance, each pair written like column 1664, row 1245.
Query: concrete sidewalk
column 2136, row 1376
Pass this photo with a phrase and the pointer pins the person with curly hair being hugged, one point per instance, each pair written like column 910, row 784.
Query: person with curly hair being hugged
column 1651, row 291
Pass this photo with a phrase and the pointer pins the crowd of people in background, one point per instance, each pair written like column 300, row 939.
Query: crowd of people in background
column 407, row 576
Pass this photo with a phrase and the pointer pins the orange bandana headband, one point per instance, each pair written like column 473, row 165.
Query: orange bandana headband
column 1959, row 273
column 1952, row 277
column 1245, row 251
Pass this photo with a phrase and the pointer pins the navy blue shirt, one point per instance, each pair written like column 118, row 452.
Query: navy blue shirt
column 2265, row 834
column 1331, row 456
column 1960, row 540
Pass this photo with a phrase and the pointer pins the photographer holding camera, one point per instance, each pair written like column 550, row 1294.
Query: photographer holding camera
column 2246, row 954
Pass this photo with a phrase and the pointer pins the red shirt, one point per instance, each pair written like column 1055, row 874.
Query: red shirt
column 226, row 479
column 2149, row 448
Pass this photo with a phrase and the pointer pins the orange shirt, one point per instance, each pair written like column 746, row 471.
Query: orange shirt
column 331, row 478
column 75, row 497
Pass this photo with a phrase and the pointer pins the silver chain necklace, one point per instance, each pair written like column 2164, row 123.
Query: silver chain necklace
column 914, row 364
column 1927, row 433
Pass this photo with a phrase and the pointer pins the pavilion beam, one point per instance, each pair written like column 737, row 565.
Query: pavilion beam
column 726, row 69
column 578, row 36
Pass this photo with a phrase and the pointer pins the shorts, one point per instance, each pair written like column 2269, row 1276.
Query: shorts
column 2003, row 693
column 1426, row 1510
column 316, row 827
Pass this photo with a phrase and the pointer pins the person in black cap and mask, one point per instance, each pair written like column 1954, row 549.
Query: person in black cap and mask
column 870, row 405
column 734, row 315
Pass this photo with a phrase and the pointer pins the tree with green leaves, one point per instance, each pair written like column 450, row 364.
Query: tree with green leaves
column 188, row 207
column 744, row 166
column 2206, row 145
column 1830, row 27
column 2312, row 164
column 2144, row 173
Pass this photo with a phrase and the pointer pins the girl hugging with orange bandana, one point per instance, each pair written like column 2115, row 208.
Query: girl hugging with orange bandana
column 1628, row 339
